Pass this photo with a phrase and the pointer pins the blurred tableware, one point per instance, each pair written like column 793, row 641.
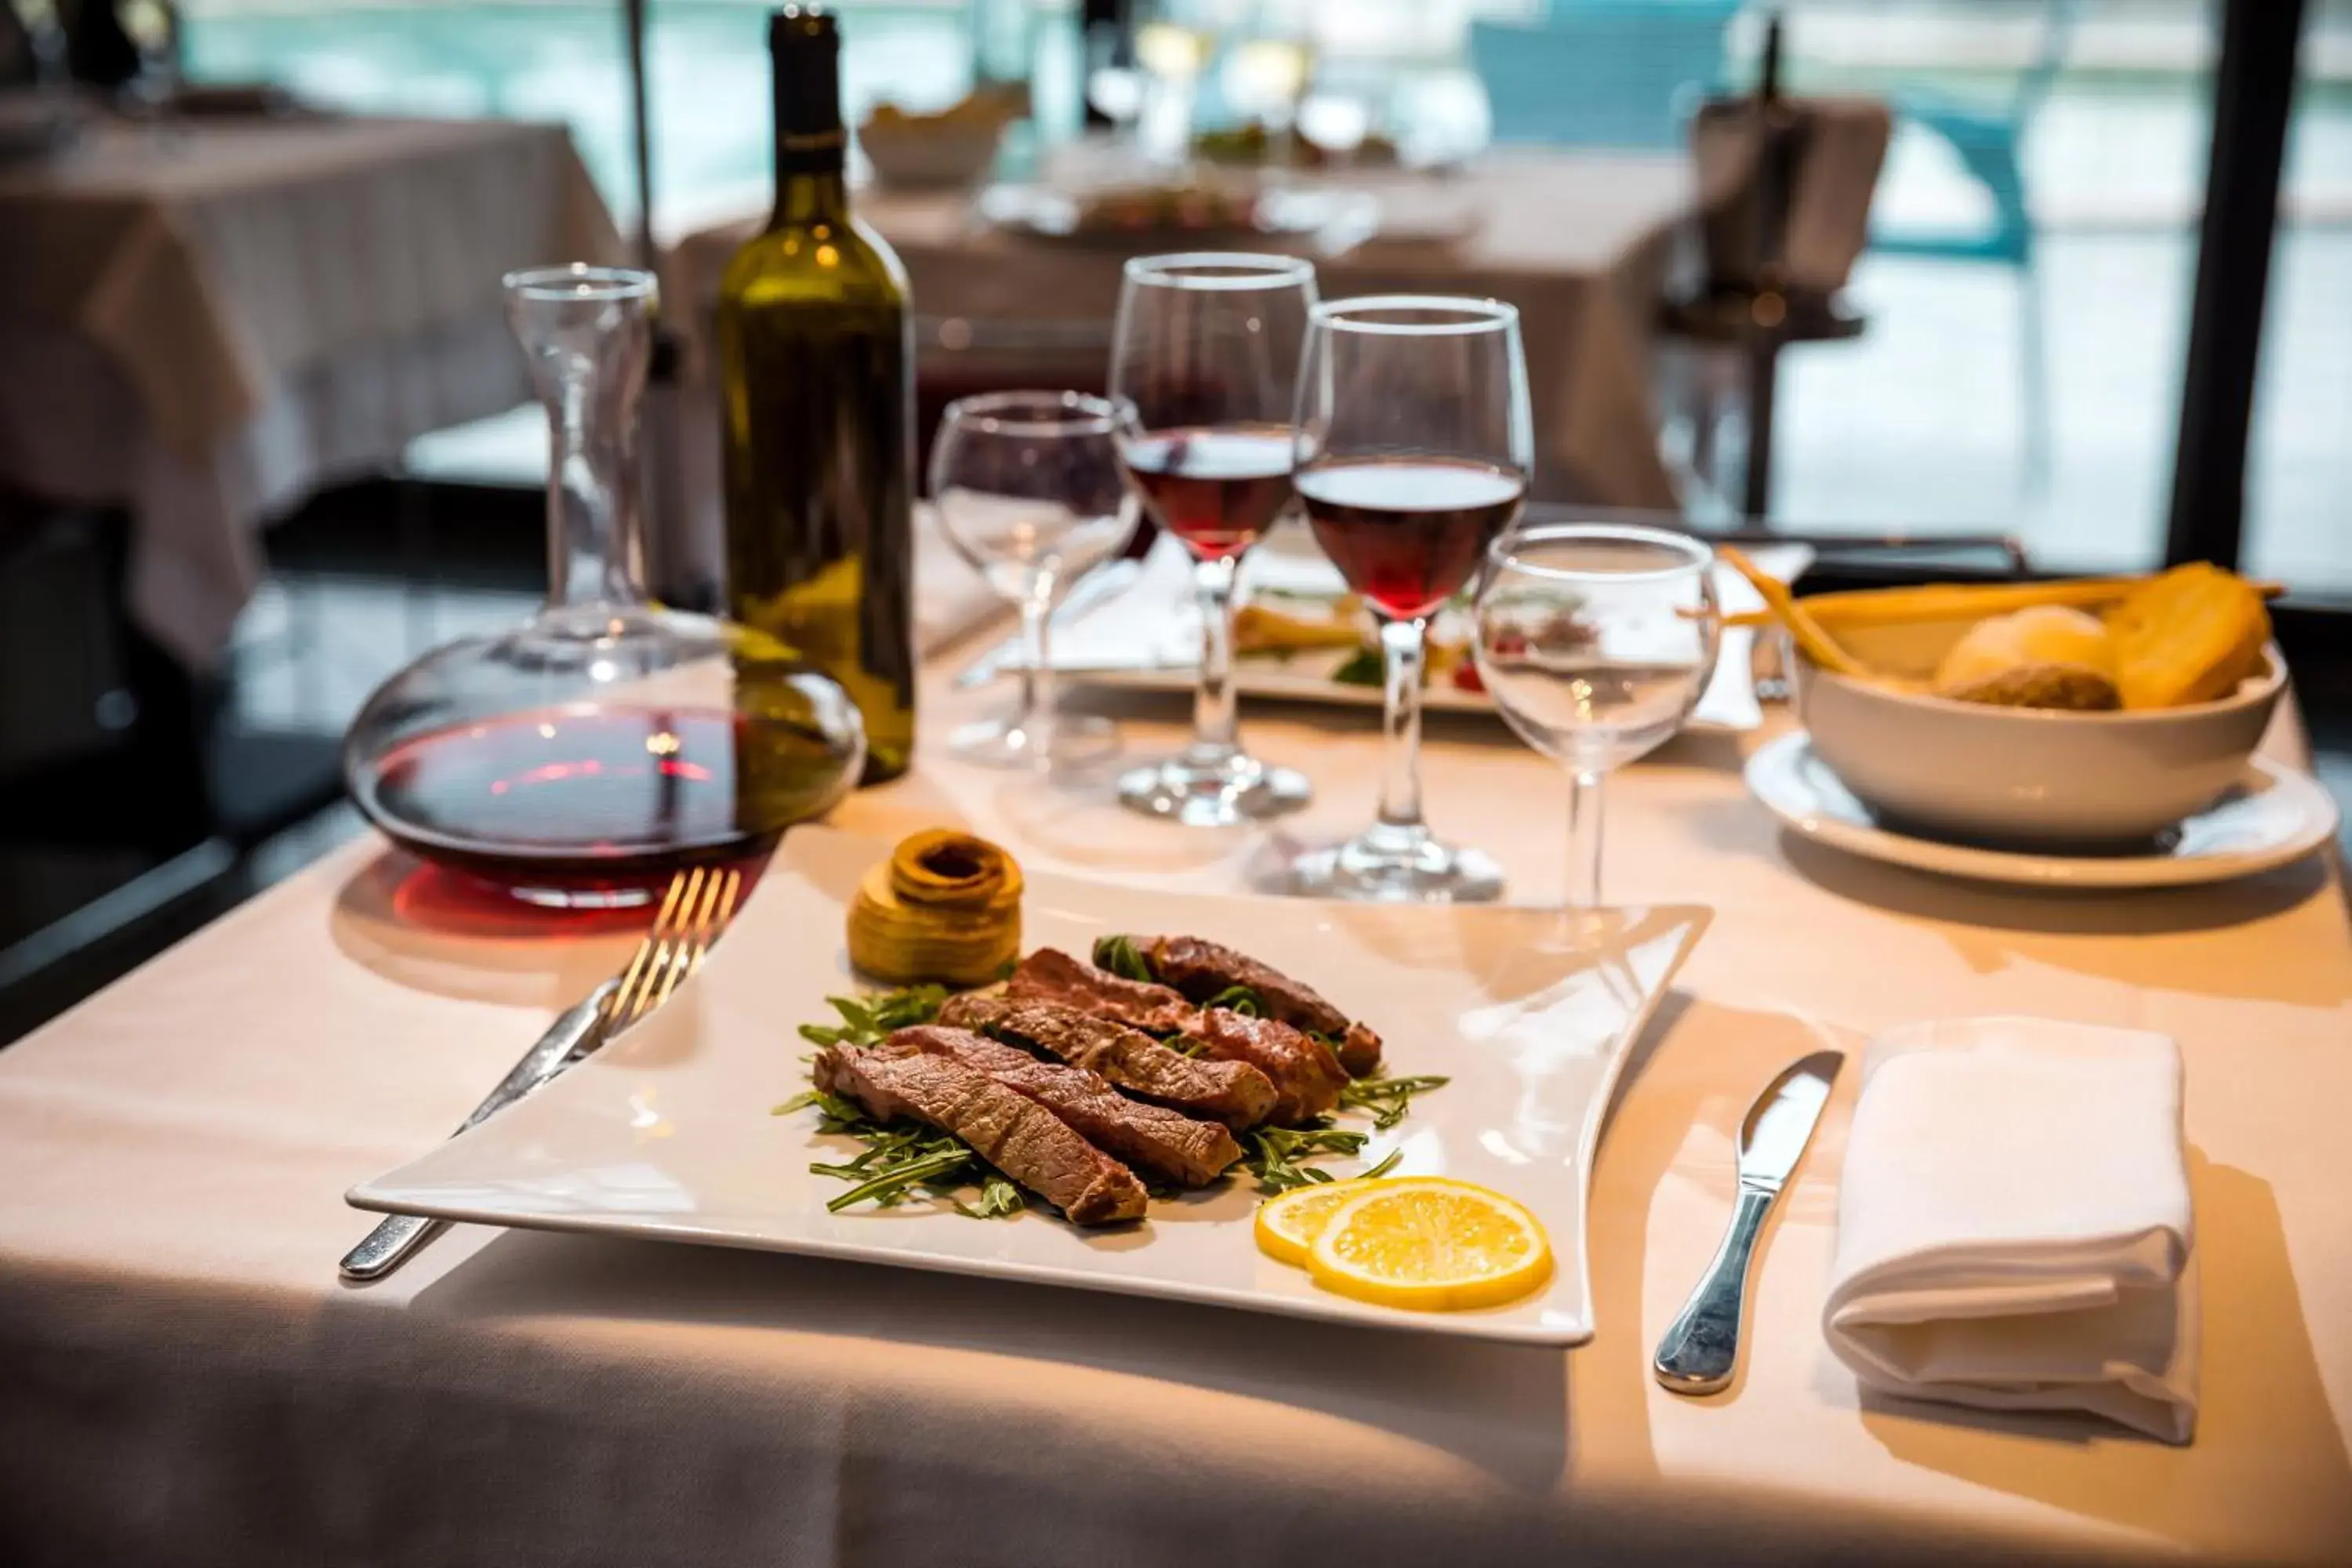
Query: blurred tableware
column 2271, row 817
column 1077, row 600
column 2015, row 1229
column 1202, row 364
column 1414, row 449
column 1028, row 487
column 947, row 150
column 1200, row 210
column 2025, row 776
column 579, row 760
column 1173, row 58
column 693, row 913
column 1700, row 1350
column 154, row 28
column 1153, row 642
column 1595, row 641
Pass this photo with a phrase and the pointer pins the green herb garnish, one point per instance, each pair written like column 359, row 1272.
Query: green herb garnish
column 866, row 1020
column 1117, row 955
column 1387, row 1099
column 1362, row 667
column 1276, row 1156
column 1240, row 999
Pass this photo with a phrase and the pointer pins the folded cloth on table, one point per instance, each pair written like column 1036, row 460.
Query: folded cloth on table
column 2013, row 1222
column 952, row 598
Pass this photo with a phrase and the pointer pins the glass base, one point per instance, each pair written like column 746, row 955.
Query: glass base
column 1075, row 739
column 1213, row 791
column 1391, row 865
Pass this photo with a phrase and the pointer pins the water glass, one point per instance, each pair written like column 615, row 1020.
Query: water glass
column 1595, row 642
column 1029, row 491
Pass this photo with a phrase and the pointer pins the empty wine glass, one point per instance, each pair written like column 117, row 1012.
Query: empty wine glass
column 1029, row 491
column 1414, row 442
column 1595, row 641
column 1204, row 363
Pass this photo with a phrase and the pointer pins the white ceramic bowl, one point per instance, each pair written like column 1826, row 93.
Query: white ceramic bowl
column 925, row 155
column 2022, row 775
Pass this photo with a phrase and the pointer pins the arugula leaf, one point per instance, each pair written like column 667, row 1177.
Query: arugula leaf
column 1117, row 955
column 1239, row 999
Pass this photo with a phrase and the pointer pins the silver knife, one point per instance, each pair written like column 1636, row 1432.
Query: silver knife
column 572, row 1035
column 1702, row 1346
column 1097, row 587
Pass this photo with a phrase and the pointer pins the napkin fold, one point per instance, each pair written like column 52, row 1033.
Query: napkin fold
column 2014, row 1229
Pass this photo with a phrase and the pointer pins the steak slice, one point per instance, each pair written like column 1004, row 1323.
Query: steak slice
column 1234, row 1093
column 1191, row 1154
column 1199, row 969
column 1307, row 1077
column 1050, row 975
column 1012, row 1131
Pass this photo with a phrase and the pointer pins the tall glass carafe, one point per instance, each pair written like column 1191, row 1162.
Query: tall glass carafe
column 578, row 760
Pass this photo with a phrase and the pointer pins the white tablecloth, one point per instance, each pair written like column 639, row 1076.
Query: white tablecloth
column 186, row 1381
column 205, row 325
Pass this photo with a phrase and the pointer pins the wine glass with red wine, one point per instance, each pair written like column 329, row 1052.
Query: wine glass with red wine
column 1414, row 448
column 1204, row 362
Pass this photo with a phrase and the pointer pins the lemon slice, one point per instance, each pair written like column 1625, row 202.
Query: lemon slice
column 1288, row 1224
column 1430, row 1244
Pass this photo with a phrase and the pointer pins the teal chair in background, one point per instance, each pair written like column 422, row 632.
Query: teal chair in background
column 1987, row 137
column 1601, row 73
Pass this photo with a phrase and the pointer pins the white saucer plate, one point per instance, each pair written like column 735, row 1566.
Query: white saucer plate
column 2273, row 817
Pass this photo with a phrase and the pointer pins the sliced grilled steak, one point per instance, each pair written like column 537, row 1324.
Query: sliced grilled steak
column 1012, row 1131
column 1050, row 975
column 1191, row 1154
column 1233, row 1092
column 1307, row 1077
column 1199, row 970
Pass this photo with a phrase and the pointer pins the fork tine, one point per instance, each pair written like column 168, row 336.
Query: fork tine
column 636, row 994
column 706, row 919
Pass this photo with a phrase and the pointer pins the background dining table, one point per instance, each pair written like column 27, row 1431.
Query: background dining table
column 185, row 1378
column 204, row 320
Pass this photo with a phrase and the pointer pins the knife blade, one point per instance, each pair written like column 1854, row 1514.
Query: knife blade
column 1096, row 588
column 1700, row 1350
column 574, row 1035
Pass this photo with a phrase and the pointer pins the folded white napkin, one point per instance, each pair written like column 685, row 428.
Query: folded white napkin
column 2013, row 1222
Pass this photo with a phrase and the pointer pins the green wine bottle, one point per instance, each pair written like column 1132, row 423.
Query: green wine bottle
column 816, row 361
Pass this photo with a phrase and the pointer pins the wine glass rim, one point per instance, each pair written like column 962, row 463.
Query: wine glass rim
column 1504, row 554
column 1467, row 314
column 577, row 280
column 1036, row 413
column 1233, row 270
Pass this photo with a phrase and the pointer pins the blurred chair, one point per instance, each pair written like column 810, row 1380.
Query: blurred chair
column 1601, row 73
column 1987, row 137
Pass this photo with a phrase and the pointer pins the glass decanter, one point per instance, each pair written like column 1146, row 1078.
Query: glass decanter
column 579, row 759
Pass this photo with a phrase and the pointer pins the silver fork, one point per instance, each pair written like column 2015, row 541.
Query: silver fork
column 695, row 909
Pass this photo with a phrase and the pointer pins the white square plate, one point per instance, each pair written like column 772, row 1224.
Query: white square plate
column 666, row 1133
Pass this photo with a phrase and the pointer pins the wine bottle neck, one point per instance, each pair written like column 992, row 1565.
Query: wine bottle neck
column 805, row 197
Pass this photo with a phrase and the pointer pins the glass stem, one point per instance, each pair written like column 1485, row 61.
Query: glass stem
column 1036, row 716
column 1215, row 727
column 1583, row 839
column 1404, row 645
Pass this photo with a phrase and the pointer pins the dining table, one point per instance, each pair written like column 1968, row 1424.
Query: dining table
column 204, row 317
column 187, row 1379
